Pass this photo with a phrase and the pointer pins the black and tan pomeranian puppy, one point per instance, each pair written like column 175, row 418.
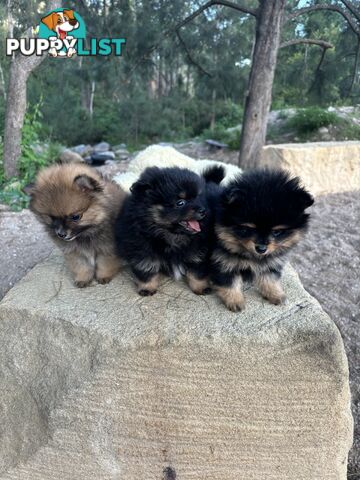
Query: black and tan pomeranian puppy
column 79, row 208
column 165, row 227
column 260, row 217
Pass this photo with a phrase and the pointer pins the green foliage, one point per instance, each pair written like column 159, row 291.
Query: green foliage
column 34, row 156
column 230, row 137
column 311, row 119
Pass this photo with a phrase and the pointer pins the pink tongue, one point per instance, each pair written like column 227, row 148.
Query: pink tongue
column 62, row 34
column 195, row 225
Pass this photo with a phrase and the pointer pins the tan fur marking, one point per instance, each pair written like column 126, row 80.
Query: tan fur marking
column 81, row 267
column 280, row 227
column 233, row 296
column 250, row 225
column 152, row 285
column 292, row 240
column 270, row 289
column 106, row 268
column 197, row 286
column 228, row 239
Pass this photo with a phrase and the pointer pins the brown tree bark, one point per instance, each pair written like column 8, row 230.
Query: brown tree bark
column 258, row 98
column 20, row 69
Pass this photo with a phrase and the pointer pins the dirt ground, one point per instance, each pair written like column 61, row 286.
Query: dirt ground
column 328, row 261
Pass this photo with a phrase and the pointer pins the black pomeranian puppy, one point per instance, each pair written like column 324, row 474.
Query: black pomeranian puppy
column 165, row 226
column 260, row 217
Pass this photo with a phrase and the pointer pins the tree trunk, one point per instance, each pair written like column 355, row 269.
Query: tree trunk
column 92, row 95
column 2, row 83
column 14, row 118
column 20, row 69
column 258, row 99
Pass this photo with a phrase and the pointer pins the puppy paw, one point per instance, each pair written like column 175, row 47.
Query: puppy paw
column 276, row 299
column 146, row 293
column 82, row 283
column 104, row 280
column 235, row 306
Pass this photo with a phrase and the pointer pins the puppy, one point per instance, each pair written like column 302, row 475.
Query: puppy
column 167, row 220
column 260, row 217
column 78, row 209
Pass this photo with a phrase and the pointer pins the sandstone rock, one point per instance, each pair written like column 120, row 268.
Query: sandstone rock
column 101, row 384
column 326, row 167
column 69, row 156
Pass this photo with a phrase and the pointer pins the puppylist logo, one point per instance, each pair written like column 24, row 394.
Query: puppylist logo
column 62, row 33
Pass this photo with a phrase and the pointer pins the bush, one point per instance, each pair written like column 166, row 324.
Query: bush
column 34, row 156
column 308, row 120
column 223, row 135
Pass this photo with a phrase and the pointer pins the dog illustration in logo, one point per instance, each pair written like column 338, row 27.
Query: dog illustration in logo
column 62, row 23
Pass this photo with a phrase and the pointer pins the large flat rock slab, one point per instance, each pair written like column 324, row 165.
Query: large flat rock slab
column 324, row 167
column 101, row 384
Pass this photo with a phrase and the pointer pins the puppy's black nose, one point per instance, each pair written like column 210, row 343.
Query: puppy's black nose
column 73, row 22
column 260, row 248
column 61, row 235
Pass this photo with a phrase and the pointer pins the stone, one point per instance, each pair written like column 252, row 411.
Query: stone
column 100, row 383
column 165, row 156
column 69, row 156
column 121, row 146
column 324, row 167
column 101, row 147
column 82, row 149
column 103, row 156
column 122, row 155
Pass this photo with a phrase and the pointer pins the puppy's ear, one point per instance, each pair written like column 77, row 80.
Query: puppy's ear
column 50, row 20
column 140, row 187
column 70, row 14
column 306, row 199
column 300, row 199
column 87, row 184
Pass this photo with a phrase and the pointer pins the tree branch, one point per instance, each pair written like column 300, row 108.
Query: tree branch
column 307, row 41
column 192, row 61
column 352, row 8
column 322, row 58
column 334, row 8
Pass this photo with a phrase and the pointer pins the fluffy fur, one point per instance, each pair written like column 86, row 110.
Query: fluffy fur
column 78, row 209
column 260, row 217
column 165, row 227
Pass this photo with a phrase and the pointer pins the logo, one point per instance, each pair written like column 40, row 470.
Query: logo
column 62, row 33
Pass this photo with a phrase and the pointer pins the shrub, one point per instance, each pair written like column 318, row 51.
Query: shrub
column 311, row 119
column 34, row 156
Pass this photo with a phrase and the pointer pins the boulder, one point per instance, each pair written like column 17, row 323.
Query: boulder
column 100, row 383
column 82, row 149
column 324, row 167
column 69, row 156
column 101, row 147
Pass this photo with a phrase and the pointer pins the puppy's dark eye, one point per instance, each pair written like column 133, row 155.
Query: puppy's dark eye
column 277, row 233
column 245, row 231
column 75, row 218
column 180, row 203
